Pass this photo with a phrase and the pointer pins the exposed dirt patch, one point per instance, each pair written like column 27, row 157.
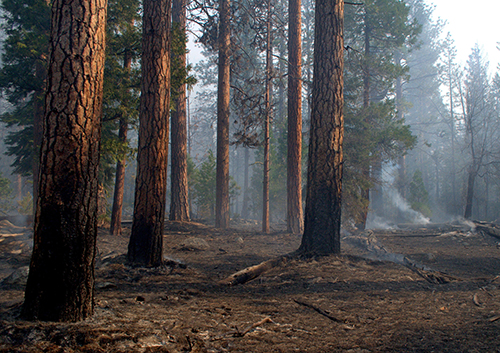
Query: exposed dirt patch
column 344, row 303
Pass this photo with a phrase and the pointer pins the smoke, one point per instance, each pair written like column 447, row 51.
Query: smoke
column 394, row 208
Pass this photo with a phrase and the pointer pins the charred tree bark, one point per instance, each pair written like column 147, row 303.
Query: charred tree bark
column 115, row 227
column 179, row 201
column 61, row 278
column 146, row 240
column 295, row 218
column 324, row 176
column 223, row 95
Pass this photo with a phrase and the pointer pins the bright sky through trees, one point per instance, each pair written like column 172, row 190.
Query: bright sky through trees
column 471, row 22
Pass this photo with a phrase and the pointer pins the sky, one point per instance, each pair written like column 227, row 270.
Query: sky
column 471, row 22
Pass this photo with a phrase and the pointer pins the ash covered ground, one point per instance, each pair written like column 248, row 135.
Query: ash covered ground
column 406, row 290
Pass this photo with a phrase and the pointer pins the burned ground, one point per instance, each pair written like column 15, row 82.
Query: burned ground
column 356, row 302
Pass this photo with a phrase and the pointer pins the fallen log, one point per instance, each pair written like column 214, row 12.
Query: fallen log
column 253, row 272
column 488, row 228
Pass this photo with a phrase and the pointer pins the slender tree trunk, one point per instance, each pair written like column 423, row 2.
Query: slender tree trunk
column 179, row 201
column 61, row 278
column 115, row 227
column 325, row 164
column 269, row 64
column 452, row 125
column 223, row 95
column 295, row 219
column 146, row 240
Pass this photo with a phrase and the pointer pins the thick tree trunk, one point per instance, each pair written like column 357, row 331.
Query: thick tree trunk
column 179, row 191
column 61, row 279
column 324, row 176
column 295, row 219
column 146, row 239
column 115, row 227
column 222, row 179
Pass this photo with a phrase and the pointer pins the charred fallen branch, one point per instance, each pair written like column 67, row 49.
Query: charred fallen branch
column 253, row 272
column 489, row 228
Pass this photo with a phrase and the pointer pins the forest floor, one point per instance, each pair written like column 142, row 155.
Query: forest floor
column 366, row 300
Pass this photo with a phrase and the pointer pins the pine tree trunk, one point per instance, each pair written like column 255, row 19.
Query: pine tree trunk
column 295, row 221
column 115, row 227
column 269, row 64
column 324, row 176
column 179, row 201
column 61, row 279
column 146, row 240
column 223, row 95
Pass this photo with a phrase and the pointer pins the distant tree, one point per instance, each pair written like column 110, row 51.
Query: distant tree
column 325, row 163
column 223, row 98
column 60, row 284
column 146, row 240
column 478, row 121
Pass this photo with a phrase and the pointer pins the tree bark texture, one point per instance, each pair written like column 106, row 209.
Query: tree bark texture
column 61, row 278
column 295, row 218
column 179, row 202
column 324, row 176
column 115, row 227
column 223, row 95
column 146, row 239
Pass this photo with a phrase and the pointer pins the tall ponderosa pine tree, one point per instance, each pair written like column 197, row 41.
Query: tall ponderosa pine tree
column 223, row 98
column 61, row 278
column 146, row 240
column 179, row 201
column 324, row 175
column 295, row 222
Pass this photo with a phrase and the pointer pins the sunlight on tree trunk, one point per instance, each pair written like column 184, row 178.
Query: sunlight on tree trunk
column 324, row 176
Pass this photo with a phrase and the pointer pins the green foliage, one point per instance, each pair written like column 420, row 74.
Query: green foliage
column 418, row 195
column 179, row 72
column 5, row 194
column 202, row 184
column 27, row 28
column 25, row 205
